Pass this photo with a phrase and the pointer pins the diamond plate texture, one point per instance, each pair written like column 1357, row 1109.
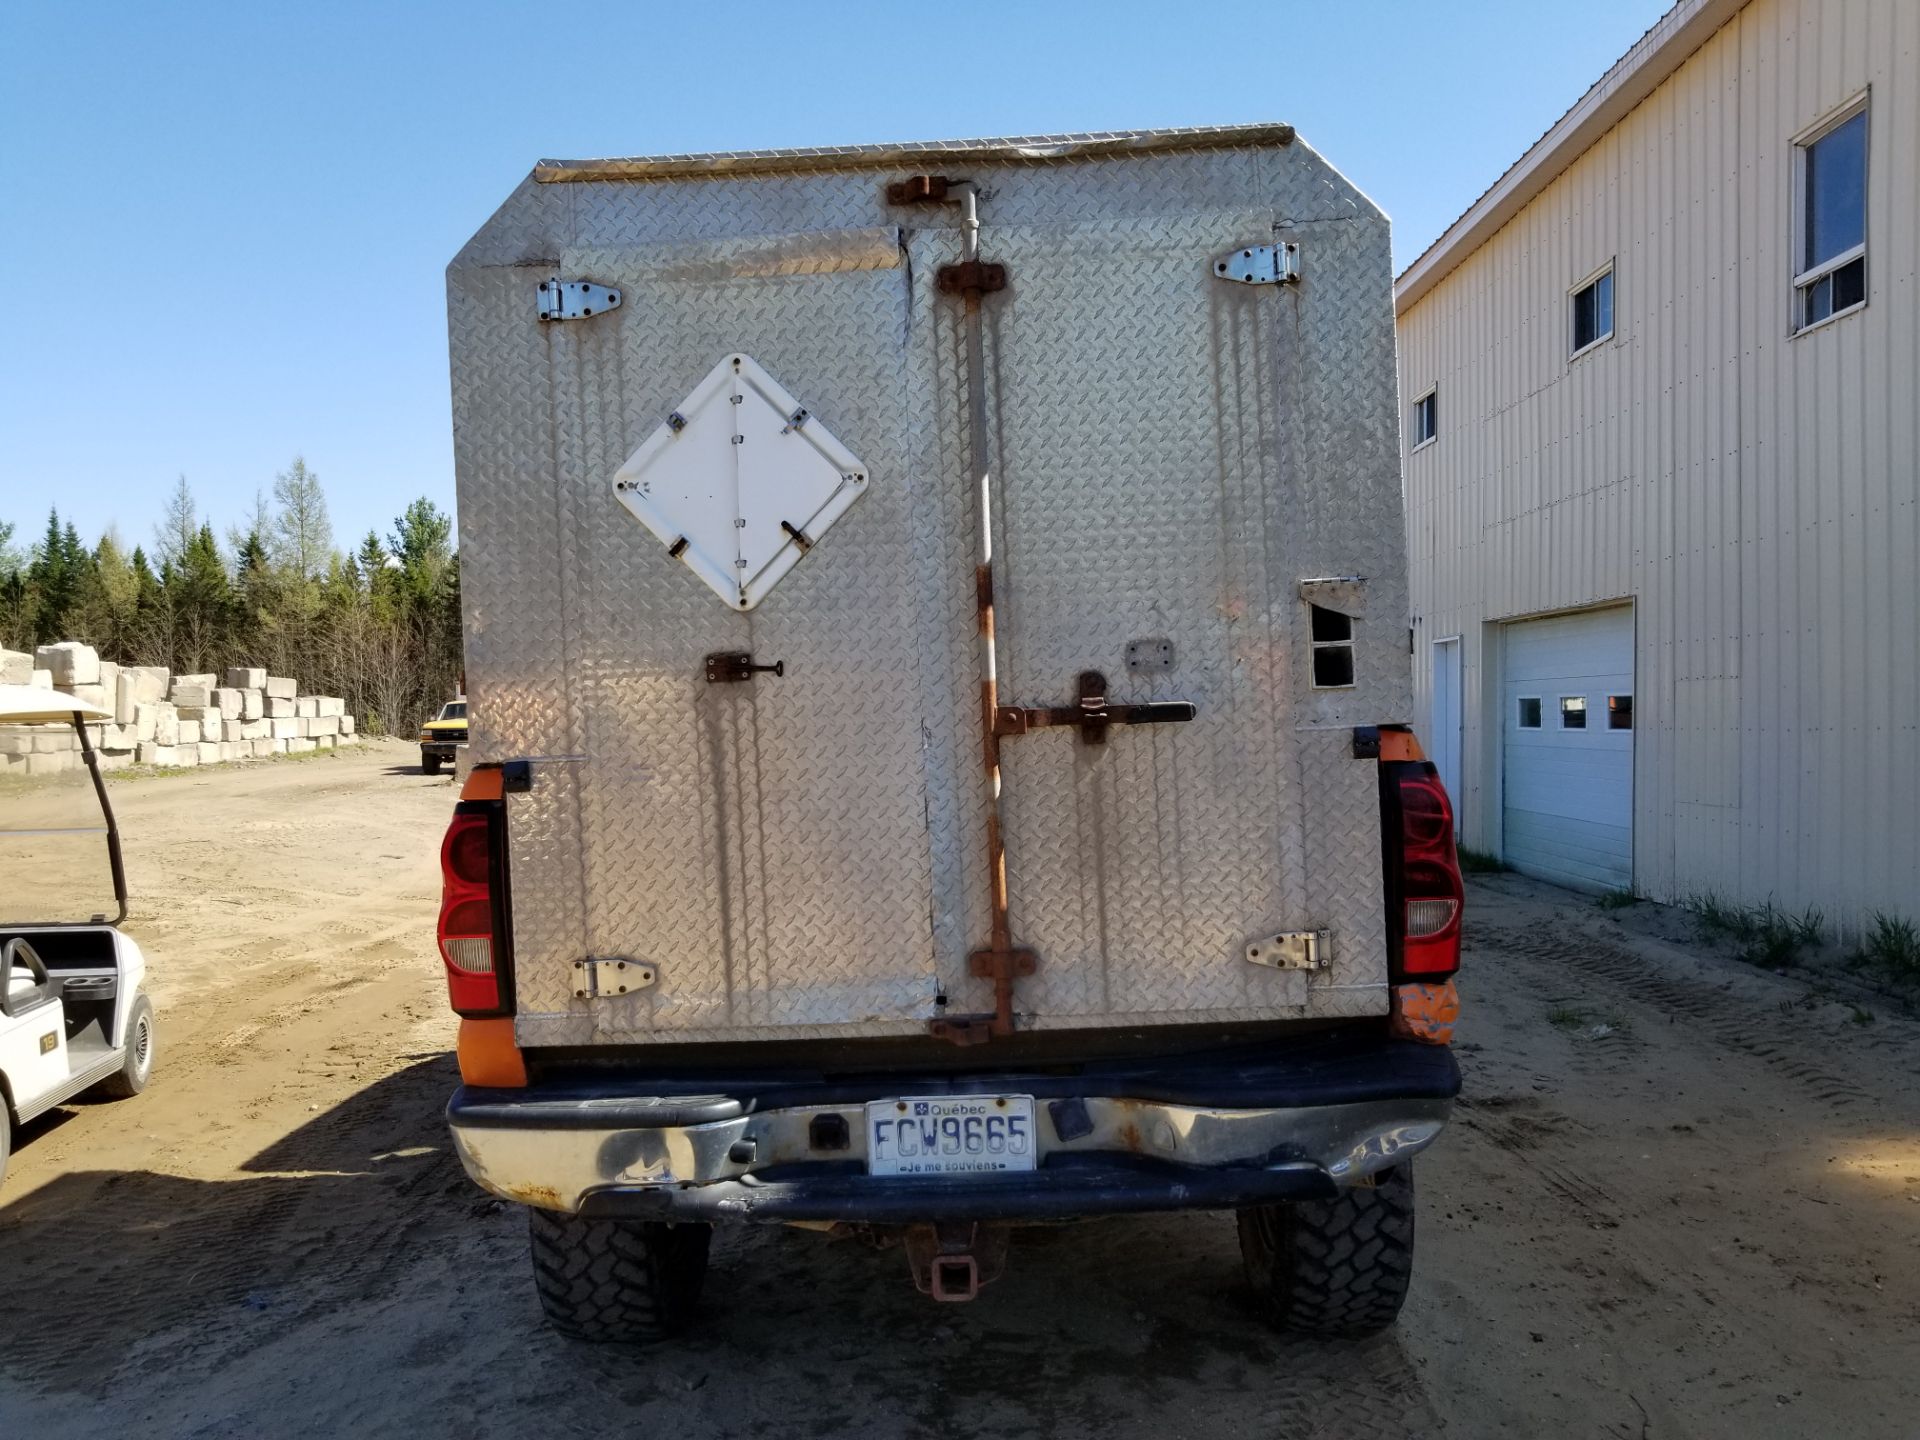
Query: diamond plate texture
column 804, row 855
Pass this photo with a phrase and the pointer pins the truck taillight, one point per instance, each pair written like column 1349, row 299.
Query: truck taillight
column 1424, row 892
column 471, row 868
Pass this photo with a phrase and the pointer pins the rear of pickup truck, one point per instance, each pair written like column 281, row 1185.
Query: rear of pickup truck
column 937, row 622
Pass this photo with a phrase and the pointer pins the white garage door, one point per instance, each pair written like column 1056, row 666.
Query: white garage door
column 1567, row 749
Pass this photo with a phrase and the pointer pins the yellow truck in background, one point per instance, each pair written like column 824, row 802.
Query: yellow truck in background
column 442, row 736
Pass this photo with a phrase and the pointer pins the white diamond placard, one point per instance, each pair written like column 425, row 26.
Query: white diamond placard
column 740, row 481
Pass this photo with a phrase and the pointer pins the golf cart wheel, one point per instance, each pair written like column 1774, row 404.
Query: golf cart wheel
column 137, row 1068
column 616, row 1280
column 1336, row 1267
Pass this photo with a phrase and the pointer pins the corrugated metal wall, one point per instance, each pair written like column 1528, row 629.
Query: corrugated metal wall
column 1752, row 491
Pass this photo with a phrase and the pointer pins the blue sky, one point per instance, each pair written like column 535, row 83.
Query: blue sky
column 225, row 225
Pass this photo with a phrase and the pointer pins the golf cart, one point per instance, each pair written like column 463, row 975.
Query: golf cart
column 73, row 1015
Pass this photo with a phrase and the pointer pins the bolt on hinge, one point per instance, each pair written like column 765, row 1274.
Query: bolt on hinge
column 575, row 299
column 1260, row 264
column 593, row 978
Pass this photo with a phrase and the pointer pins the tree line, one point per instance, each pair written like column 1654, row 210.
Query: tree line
column 378, row 625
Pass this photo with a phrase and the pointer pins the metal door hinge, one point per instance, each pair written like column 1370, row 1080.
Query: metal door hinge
column 1260, row 264
column 575, row 299
column 1293, row 950
column 594, row 978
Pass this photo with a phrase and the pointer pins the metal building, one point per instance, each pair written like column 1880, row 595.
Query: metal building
column 1660, row 396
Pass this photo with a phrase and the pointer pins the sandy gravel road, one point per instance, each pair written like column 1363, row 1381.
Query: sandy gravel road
column 1682, row 1199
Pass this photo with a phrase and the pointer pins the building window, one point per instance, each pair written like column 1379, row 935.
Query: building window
column 1332, row 649
column 1619, row 712
column 1529, row 713
column 1426, row 418
column 1573, row 712
column 1831, row 246
column 1593, row 311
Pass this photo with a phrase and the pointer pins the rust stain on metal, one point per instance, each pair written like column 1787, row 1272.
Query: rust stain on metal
column 972, row 278
column 541, row 1197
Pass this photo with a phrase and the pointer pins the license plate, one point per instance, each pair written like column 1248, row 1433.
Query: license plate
column 950, row 1135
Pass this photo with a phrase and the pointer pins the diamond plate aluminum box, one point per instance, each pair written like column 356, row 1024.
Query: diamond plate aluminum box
column 802, row 854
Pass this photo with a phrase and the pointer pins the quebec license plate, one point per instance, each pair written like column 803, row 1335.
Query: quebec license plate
column 950, row 1135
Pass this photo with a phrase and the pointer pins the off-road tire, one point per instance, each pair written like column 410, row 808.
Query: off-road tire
column 616, row 1280
column 137, row 1069
column 1335, row 1267
column 429, row 764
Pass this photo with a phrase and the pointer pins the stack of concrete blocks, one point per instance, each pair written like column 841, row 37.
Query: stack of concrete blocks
column 166, row 720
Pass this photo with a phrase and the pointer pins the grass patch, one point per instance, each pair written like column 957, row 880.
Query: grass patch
column 1479, row 862
column 1617, row 900
column 1862, row 1016
column 1893, row 947
column 1566, row 1017
column 1765, row 936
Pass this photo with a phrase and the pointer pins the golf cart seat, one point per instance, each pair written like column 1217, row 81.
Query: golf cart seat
column 29, row 984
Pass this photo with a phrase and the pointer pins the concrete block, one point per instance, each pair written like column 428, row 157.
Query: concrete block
column 324, row 725
column 13, row 765
column 331, row 705
column 349, row 740
column 49, row 740
column 235, row 750
column 325, row 742
column 15, row 667
column 263, row 748
column 126, row 699
column 228, row 699
column 149, row 753
column 299, row 746
column 16, row 740
column 115, row 759
column 187, row 733
column 279, row 707
column 347, row 724
column 256, row 730
column 247, row 677
column 186, row 754
column 41, row 679
column 190, row 695
column 119, row 737
column 209, row 752
column 70, row 662
column 306, row 706
column 109, row 677
column 89, row 694
column 152, row 680
column 287, row 728
column 280, row 687
column 252, row 704
column 56, row 763
column 209, row 680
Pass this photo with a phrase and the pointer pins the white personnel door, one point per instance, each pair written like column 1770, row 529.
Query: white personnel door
column 1567, row 749
column 1443, row 739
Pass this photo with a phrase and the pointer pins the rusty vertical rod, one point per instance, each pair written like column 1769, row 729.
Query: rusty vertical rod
column 1001, row 941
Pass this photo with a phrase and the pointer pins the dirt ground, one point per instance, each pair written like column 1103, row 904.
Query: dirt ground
column 1681, row 1198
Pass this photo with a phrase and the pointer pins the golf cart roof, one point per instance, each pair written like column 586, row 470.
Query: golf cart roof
column 31, row 705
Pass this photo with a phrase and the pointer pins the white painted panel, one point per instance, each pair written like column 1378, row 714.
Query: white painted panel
column 1568, row 792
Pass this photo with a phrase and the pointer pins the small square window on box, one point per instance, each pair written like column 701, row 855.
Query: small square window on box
column 1619, row 712
column 1332, row 649
column 1573, row 712
column 1527, row 713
